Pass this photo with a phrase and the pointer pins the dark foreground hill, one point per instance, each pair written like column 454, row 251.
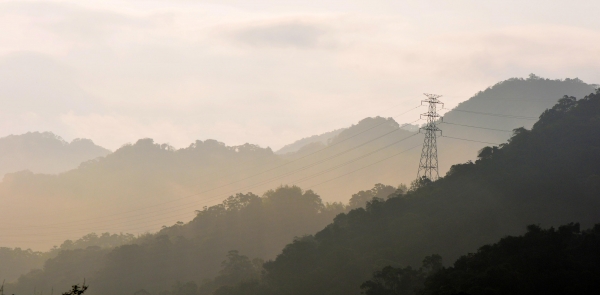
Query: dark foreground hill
column 143, row 176
column 563, row 260
column 256, row 226
column 16, row 261
column 552, row 261
column 549, row 175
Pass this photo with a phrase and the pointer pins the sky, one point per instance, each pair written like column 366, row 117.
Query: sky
column 268, row 72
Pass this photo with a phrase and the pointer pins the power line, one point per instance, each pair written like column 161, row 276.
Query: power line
column 445, row 136
column 311, row 165
column 363, row 156
column 502, row 99
column 148, row 263
column 496, row 115
column 372, row 164
column 316, row 163
column 254, row 175
column 356, row 159
column 311, row 176
column 251, row 186
column 475, row 127
column 273, row 168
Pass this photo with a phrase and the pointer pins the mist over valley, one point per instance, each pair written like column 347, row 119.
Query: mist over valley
column 299, row 147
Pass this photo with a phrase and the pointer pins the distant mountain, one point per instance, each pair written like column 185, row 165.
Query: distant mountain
column 298, row 144
column 490, row 116
column 45, row 152
column 135, row 176
column 508, row 105
column 549, row 175
column 163, row 185
column 487, row 117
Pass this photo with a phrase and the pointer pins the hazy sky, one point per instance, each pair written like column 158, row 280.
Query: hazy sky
column 268, row 72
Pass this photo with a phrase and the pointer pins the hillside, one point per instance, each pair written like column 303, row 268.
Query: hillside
column 563, row 260
column 135, row 176
column 144, row 186
column 549, row 175
column 17, row 261
column 44, row 152
column 514, row 99
column 487, row 117
column 256, row 226
column 491, row 115
column 298, row 144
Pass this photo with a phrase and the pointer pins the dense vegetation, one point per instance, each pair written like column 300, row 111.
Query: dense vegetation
column 542, row 261
column 553, row 261
column 549, row 175
column 146, row 173
column 242, row 226
column 514, row 98
column 17, row 261
column 272, row 224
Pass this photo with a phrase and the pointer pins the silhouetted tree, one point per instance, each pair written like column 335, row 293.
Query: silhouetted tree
column 380, row 191
column 543, row 261
column 76, row 290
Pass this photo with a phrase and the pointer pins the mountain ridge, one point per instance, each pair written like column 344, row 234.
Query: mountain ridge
column 548, row 175
column 146, row 174
column 45, row 152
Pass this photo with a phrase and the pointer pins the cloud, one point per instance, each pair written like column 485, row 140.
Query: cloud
column 287, row 34
column 34, row 82
column 67, row 24
column 115, row 71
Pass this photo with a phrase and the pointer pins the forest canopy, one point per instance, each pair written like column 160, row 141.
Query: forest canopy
column 548, row 175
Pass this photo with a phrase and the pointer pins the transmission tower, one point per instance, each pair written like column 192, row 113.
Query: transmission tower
column 428, row 165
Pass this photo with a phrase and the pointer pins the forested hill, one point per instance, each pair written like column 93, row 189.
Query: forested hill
column 45, row 152
column 135, row 176
column 546, row 176
column 508, row 105
column 491, row 115
column 549, row 175
column 143, row 176
column 17, row 261
column 322, row 139
column 487, row 117
column 257, row 227
column 563, row 260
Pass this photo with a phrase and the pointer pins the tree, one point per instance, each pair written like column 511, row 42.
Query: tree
column 76, row 290
column 236, row 269
column 395, row 281
column 188, row 288
column 432, row 263
column 565, row 260
column 239, row 268
column 379, row 191
column 419, row 183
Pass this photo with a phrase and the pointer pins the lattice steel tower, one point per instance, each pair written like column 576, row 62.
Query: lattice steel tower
column 428, row 165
